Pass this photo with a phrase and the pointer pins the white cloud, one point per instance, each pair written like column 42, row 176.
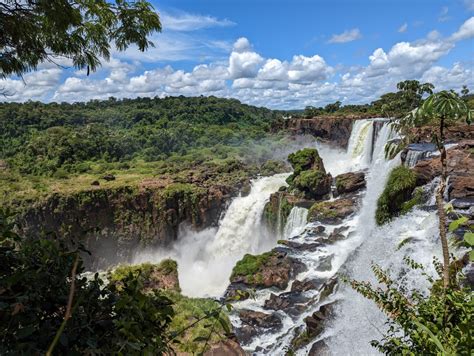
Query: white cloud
column 191, row 22
column 241, row 72
column 465, row 32
column 403, row 28
column 346, row 36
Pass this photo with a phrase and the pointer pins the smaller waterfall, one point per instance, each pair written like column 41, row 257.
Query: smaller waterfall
column 295, row 222
column 360, row 143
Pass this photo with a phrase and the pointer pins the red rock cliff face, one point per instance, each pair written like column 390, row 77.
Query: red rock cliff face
column 334, row 130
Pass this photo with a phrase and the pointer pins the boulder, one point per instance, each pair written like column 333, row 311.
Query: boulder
column 309, row 179
column 297, row 246
column 319, row 348
column 331, row 212
column 350, row 182
column 306, row 285
column 259, row 319
column 315, row 322
column 270, row 269
column 277, row 302
column 95, row 183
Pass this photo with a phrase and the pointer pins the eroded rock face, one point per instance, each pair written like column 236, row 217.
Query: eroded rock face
column 271, row 269
column 315, row 322
column 334, row 130
column 350, row 182
column 332, row 212
column 460, row 170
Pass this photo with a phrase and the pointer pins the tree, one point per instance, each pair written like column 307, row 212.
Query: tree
column 35, row 31
column 464, row 90
column 330, row 108
column 441, row 109
column 413, row 91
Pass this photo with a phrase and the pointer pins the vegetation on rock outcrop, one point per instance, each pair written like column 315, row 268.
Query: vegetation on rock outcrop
column 309, row 179
column 398, row 191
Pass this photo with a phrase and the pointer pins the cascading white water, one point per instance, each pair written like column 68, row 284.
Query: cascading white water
column 205, row 259
column 295, row 222
column 360, row 143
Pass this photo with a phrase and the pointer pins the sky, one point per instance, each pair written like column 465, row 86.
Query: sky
column 278, row 54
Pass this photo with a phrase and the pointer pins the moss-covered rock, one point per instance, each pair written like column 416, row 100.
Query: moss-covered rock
column 162, row 276
column 270, row 269
column 331, row 212
column 306, row 159
column 395, row 198
column 309, row 178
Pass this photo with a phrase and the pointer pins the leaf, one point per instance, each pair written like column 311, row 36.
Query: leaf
column 471, row 255
column 200, row 338
column 432, row 336
column 225, row 326
column 469, row 238
column 454, row 225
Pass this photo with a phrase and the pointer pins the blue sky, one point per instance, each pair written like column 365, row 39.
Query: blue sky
column 280, row 54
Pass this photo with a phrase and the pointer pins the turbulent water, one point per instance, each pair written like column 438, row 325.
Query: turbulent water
column 206, row 259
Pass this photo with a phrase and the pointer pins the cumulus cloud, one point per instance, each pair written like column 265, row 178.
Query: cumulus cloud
column 403, row 28
column 346, row 36
column 250, row 77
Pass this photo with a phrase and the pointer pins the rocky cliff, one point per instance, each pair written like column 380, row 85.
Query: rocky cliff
column 113, row 221
column 332, row 129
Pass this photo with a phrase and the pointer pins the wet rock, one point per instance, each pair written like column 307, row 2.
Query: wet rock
column 315, row 322
column 337, row 234
column 328, row 288
column 306, row 285
column 350, row 182
column 319, row 348
column 277, row 302
column 332, row 212
column 296, row 246
column 108, row 177
column 270, row 269
column 259, row 319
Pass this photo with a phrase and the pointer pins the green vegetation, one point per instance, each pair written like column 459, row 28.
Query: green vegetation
column 35, row 31
column 437, row 324
column 276, row 212
column 250, row 265
column 204, row 333
column 38, row 312
column 395, row 198
column 309, row 179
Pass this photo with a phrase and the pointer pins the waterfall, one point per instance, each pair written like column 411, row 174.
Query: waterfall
column 205, row 259
column 295, row 222
column 360, row 143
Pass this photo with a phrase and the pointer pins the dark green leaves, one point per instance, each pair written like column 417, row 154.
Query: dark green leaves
column 81, row 30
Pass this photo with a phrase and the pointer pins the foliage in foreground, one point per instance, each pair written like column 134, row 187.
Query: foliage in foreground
column 436, row 324
column 38, row 313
